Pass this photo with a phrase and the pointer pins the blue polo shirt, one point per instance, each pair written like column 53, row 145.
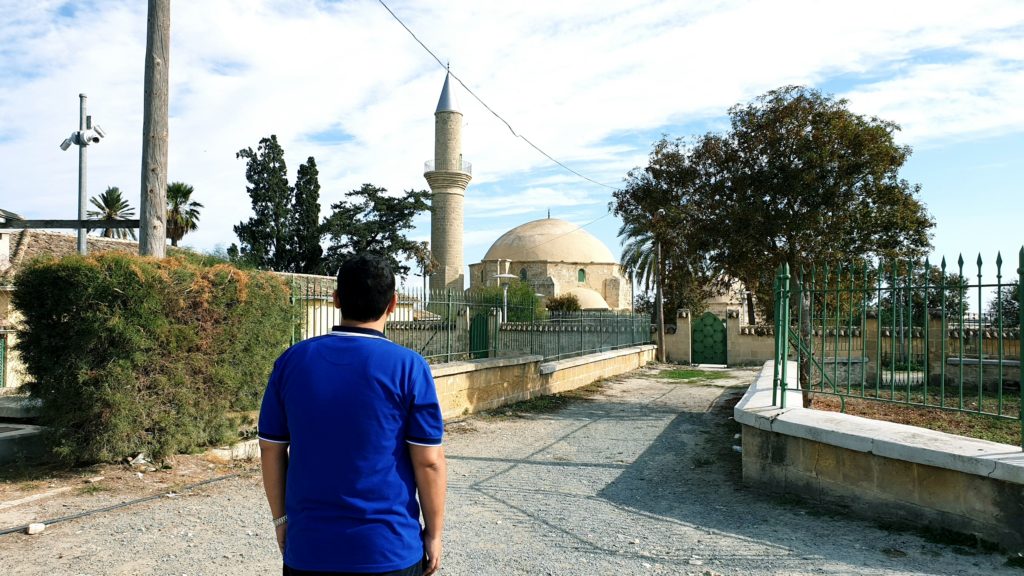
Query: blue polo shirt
column 349, row 403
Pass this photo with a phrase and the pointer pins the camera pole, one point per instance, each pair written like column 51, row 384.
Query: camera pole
column 82, row 163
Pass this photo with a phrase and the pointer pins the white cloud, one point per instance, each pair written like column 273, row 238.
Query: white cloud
column 525, row 201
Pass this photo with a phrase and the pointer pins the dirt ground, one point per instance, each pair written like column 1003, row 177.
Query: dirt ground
column 638, row 475
column 49, row 492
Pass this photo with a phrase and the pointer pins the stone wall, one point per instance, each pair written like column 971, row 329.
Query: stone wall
column 881, row 470
column 467, row 387
column 745, row 344
column 554, row 278
column 887, row 349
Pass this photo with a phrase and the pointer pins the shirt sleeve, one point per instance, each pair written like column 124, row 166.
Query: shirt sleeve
column 424, row 427
column 273, row 422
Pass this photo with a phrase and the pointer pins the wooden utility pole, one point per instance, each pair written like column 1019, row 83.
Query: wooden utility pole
column 153, row 213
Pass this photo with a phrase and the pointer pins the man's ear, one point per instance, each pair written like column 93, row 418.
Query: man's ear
column 337, row 299
column 392, row 305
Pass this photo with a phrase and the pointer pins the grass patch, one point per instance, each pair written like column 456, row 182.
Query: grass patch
column 548, row 403
column 714, row 445
column 684, row 374
column 584, row 392
column 539, row 405
column 93, row 488
column 977, row 426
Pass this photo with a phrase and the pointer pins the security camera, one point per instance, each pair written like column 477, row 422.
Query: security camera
column 65, row 144
column 90, row 136
column 99, row 131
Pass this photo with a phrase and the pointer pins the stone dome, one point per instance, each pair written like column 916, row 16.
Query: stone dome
column 589, row 299
column 550, row 240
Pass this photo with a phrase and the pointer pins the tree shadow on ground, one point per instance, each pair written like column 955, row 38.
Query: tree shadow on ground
column 686, row 482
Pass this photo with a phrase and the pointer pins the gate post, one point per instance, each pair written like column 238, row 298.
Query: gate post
column 1020, row 326
column 784, row 321
column 777, row 298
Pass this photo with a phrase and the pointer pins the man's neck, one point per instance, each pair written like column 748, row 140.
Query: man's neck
column 377, row 325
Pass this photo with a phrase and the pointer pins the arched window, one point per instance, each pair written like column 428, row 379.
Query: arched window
column 522, row 274
column 581, row 276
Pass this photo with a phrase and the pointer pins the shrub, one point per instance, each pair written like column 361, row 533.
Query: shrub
column 565, row 303
column 524, row 305
column 132, row 354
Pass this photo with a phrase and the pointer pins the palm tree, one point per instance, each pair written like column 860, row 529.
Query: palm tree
column 112, row 206
column 182, row 212
column 639, row 254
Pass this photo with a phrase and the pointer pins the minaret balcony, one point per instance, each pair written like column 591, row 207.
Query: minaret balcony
column 459, row 166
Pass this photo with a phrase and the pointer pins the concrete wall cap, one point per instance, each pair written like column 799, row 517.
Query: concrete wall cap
column 555, row 366
column 452, row 368
column 886, row 439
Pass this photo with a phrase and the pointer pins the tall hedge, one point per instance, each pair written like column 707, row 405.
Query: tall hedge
column 133, row 354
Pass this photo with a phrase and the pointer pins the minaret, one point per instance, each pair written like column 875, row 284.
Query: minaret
column 448, row 175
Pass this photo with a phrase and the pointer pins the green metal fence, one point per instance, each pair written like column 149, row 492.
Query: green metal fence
column 448, row 326
column 3, row 360
column 904, row 332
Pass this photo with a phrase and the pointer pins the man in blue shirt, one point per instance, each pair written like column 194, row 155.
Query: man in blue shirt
column 350, row 433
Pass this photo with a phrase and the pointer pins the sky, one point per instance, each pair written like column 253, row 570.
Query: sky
column 593, row 83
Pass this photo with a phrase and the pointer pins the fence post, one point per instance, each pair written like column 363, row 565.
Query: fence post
column 784, row 316
column 291, row 302
column 1020, row 326
column 583, row 345
column 777, row 297
column 999, row 325
column 448, row 326
column 981, row 343
column 499, row 314
column 927, row 324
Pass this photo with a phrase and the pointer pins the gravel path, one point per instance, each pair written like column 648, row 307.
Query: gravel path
column 639, row 479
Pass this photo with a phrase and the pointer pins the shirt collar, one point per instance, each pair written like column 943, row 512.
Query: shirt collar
column 357, row 330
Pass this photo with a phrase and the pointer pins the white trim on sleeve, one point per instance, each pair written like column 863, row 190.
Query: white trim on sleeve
column 274, row 441
column 422, row 444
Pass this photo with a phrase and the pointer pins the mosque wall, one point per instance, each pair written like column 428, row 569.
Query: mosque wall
column 554, row 278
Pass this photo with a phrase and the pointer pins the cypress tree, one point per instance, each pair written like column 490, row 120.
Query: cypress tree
column 306, row 229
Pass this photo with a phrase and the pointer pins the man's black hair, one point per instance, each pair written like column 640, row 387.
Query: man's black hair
column 366, row 285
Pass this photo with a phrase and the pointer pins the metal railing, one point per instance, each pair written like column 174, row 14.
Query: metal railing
column 449, row 326
column 459, row 166
column 906, row 333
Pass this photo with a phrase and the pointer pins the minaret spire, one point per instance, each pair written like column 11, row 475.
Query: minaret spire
column 448, row 176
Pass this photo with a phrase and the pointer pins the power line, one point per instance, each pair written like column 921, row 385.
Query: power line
column 580, row 227
column 484, row 104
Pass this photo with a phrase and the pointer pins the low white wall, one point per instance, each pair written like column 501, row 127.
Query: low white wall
column 926, row 477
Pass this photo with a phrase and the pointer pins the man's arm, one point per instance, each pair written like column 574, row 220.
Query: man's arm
column 274, row 461
column 431, row 482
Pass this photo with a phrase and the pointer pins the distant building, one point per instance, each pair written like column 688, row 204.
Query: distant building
column 17, row 248
column 556, row 257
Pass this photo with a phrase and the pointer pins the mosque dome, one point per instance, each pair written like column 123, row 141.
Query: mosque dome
column 588, row 299
column 550, row 240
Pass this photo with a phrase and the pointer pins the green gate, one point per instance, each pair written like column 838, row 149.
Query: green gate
column 478, row 332
column 708, row 340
